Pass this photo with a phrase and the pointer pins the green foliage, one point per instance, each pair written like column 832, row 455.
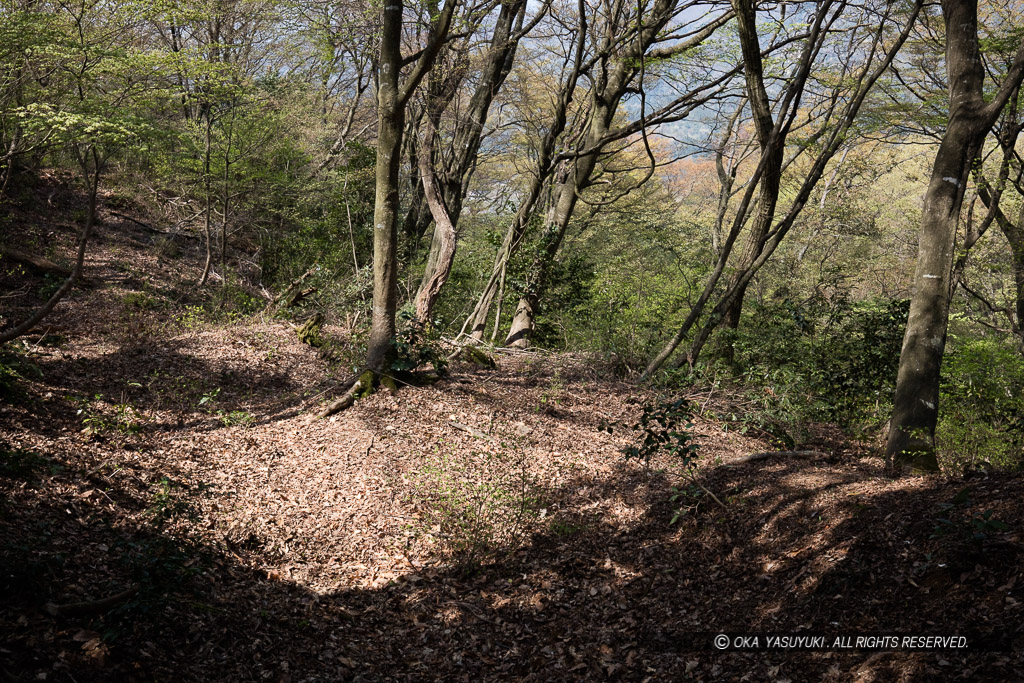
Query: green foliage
column 664, row 428
column 241, row 418
column 817, row 360
column 956, row 521
column 416, row 344
column 981, row 405
column 170, row 500
column 566, row 298
column 98, row 418
column 228, row 418
column 477, row 507
column 9, row 377
column 140, row 300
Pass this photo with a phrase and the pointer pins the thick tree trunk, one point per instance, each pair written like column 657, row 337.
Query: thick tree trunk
column 911, row 441
column 522, row 325
column 567, row 193
column 442, row 251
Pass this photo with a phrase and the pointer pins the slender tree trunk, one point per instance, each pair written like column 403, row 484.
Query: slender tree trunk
column 390, row 125
column 911, row 441
column 226, row 205
column 771, row 141
column 392, row 100
column 207, row 180
column 833, row 136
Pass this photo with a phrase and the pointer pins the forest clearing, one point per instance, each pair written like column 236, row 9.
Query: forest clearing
column 510, row 340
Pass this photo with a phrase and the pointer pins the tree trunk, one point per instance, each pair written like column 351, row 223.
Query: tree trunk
column 390, row 124
column 207, row 180
column 832, row 135
column 911, row 441
column 522, row 325
column 445, row 197
column 442, row 251
column 392, row 99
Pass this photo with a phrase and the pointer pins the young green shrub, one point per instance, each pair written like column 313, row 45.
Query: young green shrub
column 477, row 507
column 665, row 428
column 416, row 344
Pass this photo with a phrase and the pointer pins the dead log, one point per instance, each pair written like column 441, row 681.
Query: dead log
column 294, row 293
column 37, row 262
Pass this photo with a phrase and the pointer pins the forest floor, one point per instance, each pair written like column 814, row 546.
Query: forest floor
column 170, row 511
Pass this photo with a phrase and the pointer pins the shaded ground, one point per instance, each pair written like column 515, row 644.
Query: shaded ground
column 482, row 528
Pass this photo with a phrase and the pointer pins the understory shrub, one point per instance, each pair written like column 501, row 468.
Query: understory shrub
column 818, row 360
column 981, row 405
column 478, row 506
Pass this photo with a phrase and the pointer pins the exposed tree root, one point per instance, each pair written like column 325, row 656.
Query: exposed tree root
column 89, row 607
column 770, row 454
column 364, row 385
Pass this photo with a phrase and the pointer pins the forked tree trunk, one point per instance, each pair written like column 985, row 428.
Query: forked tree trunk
column 393, row 96
column 830, row 139
column 911, row 441
column 445, row 190
column 442, row 250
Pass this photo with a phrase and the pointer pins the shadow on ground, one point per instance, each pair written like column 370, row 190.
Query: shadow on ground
column 582, row 600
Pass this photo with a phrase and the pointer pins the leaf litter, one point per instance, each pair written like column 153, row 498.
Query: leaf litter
column 202, row 527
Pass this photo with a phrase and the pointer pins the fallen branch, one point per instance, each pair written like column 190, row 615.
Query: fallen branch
column 154, row 229
column 294, row 292
column 771, row 454
column 37, row 262
column 713, row 496
column 77, row 609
